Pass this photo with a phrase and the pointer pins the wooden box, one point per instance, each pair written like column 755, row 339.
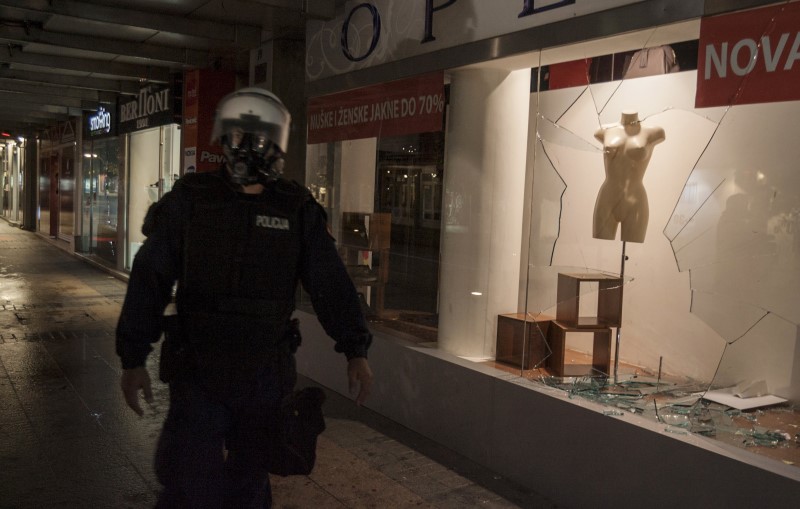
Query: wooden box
column 601, row 351
column 522, row 343
column 609, row 301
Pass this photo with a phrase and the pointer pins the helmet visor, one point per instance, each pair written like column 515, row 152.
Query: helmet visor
column 254, row 135
column 237, row 138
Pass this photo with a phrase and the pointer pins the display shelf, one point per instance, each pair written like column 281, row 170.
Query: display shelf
column 609, row 300
column 521, row 339
column 601, row 351
column 364, row 248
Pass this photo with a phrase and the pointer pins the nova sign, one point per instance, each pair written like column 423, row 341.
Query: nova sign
column 742, row 63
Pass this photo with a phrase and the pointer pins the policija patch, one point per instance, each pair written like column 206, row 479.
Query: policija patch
column 276, row 223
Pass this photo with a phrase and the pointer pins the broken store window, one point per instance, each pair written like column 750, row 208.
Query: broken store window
column 709, row 319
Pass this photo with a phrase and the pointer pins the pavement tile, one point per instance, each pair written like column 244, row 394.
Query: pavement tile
column 67, row 439
column 300, row 492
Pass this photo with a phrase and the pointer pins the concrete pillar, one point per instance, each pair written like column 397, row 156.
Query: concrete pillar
column 288, row 76
column 484, row 182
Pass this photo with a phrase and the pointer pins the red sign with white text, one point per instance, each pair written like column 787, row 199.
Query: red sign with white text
column 414, row 105
column 203, row 88
column 750, row 57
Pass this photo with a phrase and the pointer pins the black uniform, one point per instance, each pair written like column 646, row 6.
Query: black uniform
column 237, row 259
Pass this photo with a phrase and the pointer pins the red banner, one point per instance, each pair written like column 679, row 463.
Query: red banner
column 203, row 88
column 750, row 57
column 414, row 105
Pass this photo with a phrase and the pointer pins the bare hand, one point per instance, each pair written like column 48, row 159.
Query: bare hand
column 360, row 377
column 131, row 382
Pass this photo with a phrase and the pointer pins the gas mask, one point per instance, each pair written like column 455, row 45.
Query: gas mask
column 250, row 157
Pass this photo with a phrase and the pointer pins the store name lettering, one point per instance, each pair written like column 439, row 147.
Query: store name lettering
column 147, row 103
column 100, row 122
column 529, row 8
column 210, row 157
column 747, row 51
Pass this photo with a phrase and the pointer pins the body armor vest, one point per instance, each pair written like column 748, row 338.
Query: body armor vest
column 241, row 258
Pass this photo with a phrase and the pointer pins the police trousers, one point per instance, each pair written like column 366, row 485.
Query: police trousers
column 214, row 445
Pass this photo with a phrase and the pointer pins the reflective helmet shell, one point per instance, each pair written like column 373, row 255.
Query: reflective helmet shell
column 253, row 110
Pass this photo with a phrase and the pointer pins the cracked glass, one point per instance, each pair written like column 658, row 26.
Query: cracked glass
column 702, row 334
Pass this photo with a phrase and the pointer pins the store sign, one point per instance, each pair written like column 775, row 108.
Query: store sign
column 151, row 107
column 99, row 123
column 381, row 31
column 202, row 90
column 406, row 106
column 750, row 57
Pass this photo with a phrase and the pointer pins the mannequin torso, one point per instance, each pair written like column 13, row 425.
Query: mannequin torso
column 622, row 199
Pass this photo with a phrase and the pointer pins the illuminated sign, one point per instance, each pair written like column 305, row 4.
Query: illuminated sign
column 99, row 123
column 151, row 107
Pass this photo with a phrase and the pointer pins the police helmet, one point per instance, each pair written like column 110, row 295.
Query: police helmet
column 252, row 125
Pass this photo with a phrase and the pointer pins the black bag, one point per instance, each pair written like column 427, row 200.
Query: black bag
column 301, row 422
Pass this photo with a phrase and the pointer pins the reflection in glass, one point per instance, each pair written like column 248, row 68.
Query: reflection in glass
column 385, row 205
column 101, row 193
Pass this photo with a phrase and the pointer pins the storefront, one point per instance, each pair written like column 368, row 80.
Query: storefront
column 101, row 187
column 12, row 178
column 149, row 123
column 605, row 218
column 56, row 193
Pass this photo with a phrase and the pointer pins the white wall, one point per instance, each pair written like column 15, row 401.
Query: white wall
column 144, row 162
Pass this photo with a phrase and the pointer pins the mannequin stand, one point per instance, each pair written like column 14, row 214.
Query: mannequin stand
column 619, row 327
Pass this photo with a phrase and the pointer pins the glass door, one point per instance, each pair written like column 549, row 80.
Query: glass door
column 154, row 162
column 100, row 199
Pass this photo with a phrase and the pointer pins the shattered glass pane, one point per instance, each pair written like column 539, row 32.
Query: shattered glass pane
column 709, row 298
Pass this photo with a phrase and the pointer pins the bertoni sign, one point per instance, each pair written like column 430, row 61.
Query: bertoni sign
column 750, row 57
column 151, row 107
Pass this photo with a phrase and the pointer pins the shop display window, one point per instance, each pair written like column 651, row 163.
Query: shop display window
column 709, row 334
column 384, row 203
column 685, row 311
column 100, row 199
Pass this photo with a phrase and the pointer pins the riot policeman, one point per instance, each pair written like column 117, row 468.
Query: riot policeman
column 237, row 242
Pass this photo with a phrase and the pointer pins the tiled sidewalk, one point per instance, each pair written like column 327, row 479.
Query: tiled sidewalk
column 68, row 440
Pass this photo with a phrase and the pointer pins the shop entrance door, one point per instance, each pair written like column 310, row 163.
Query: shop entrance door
column 100, row 199
column 154, row 162
column 6, row 182
column 53, row 194
column 65, row 191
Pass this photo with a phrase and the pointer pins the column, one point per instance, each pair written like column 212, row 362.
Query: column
column 485, row 159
